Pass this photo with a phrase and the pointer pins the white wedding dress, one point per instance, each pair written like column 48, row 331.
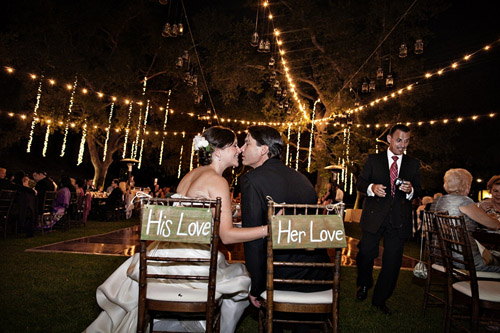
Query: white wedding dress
column 118, row 296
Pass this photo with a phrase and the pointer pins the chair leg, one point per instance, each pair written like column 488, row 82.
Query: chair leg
column 427, row 289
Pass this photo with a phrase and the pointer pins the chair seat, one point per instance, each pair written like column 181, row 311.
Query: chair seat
column 438, row 267
column 172, row 293
column 480, row 274
column 286, row 296
column 488, row 290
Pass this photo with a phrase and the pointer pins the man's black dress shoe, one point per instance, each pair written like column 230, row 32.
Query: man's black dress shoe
column 384, row 309
column 361, row 293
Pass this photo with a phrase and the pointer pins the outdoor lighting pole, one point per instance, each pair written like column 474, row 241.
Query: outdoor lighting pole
column 130, row 163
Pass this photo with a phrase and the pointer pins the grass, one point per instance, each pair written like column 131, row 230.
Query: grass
column 55, row 292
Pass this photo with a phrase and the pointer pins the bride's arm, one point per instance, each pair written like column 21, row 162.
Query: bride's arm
column 228, row 233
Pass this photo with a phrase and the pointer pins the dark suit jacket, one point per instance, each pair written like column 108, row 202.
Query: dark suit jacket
column 282, row 184
column 398, row 209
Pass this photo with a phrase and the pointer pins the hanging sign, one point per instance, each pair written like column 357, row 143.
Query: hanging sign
column 176, row 224
column 308, row 231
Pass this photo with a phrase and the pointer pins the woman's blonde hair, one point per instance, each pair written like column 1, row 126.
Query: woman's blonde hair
column 495, row 180
column 457, row 181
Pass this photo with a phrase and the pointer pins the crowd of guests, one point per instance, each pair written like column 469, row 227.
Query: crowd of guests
column 28, row 213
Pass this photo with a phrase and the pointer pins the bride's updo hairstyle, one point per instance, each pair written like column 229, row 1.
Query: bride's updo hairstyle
column 214, row 137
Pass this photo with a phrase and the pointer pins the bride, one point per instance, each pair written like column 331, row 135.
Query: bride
column 217, row 150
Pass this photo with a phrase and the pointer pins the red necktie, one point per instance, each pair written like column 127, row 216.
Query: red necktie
column 394, row 174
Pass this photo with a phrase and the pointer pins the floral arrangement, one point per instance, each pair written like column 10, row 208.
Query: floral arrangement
column 201, row 143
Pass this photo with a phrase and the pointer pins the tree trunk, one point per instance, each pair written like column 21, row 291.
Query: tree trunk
column 95, row 143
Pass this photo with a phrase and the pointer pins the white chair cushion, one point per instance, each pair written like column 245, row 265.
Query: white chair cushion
column 488, row 290
column 438, row 267
column 176, row 293
column 285, row 296
column 482, row 275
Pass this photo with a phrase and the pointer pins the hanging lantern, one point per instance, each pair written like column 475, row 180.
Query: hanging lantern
column 166, row 30
column 380, row 73
column 255, row 39
column 356, row 103
column 364, row 87
column 261, row 46
column 403, row 51
column 419, row 46
column 284, row 93
column 280, row 104
column 272, row 77
column 267, row 46
column 163, row 2
column 389, row 81
column 178, row 63
column 187, row 77
column 276, row 84
column 278, row 92
column 272, row 62
column 371, row 87
column 185, row 55
column 175, row 30
column 181, row 29
column 194, row 79
column 286, row 104
column 195, row 91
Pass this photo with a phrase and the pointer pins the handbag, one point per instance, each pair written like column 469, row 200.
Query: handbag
column 420, row 269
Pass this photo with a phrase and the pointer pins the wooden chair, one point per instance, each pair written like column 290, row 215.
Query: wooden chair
column 436, row 272
column 312, row 230
column 186, row 221
column 6, row 200
column 47, row 211
column 469, row 298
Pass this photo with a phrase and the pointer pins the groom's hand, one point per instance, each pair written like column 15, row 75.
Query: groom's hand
column 254, row 301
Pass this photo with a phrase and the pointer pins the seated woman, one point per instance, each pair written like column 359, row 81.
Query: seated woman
column 217, row 150
column 62, row 199
column 457, row 184
column 492, row 205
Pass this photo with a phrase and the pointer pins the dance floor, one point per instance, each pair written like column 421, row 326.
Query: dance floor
column 125, row 242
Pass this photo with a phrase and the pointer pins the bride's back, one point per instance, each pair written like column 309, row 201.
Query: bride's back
column 198, row 182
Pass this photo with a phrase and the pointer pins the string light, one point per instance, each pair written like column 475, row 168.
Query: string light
column 143, row 131
column 180, row 157
column 312, row 135
column 352, row 182
column 63, row 148
column 107, row 132
column 127, row 129
column 46, row 140
column 33, row 122
column 167, row 108
column 298, row 150
column 288, row 144
column 82, row 144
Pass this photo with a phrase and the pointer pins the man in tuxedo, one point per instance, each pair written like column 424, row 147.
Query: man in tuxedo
column 387, row 214
column 272, row 179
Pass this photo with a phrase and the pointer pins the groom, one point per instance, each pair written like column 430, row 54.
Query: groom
column 271, row 178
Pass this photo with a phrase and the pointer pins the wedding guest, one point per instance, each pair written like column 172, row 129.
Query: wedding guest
column 387, row 213
column 63, row 198
column 492, row 205
column 23, row 211
column 457, row 183
column 5, row 184
column 43, row 184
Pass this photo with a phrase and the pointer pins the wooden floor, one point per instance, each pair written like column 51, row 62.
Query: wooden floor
column 124, row 242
